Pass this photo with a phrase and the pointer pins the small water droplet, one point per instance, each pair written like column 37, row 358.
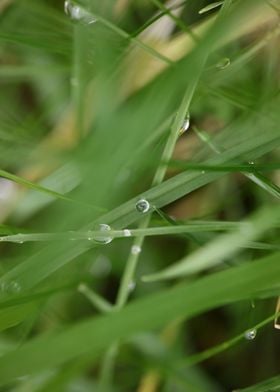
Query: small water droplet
column 142, row 206
column 251, row 162
column 77, row 13
column 127, row 233
column 251, row 334
column 131, row 286
column 185, row 126
column 203, row 172
column 223, row 63
column 135, row 249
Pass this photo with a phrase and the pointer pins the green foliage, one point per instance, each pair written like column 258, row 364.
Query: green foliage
column 92, row 119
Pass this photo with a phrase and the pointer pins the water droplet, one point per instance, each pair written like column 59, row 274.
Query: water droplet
column 142, row 206
column 127, row 233
column 251, row 162
column 251, row 334
column 223, row 63
column 76, row 12
column 203, row 172
column 102, row 239
column 135, row 250
column 131, row 286
column 185, row 126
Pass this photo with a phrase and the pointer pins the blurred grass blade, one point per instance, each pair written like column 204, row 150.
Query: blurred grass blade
column 31, row 185
column 95, row 335
column 221, row 247
column 271, row 384
column 40, row 188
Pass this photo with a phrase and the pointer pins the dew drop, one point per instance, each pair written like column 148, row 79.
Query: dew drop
column 142, row 206
column 135, row 250
column 251, row 334
column 223, row 63
column 102, row 239
column 77, row 13
column 131, row 286
column 203, row 172
column 251, row 162
column 186, row 124
column 127, row 233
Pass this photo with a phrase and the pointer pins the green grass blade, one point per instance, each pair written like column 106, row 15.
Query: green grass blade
column 222, row 247
column 95, row 335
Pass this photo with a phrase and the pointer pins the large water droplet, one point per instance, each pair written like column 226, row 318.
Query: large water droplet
column 76, row 12
column 142, row 206
column 223, row 63
column 101, row 239
column 135, row 250
column 251, row 334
